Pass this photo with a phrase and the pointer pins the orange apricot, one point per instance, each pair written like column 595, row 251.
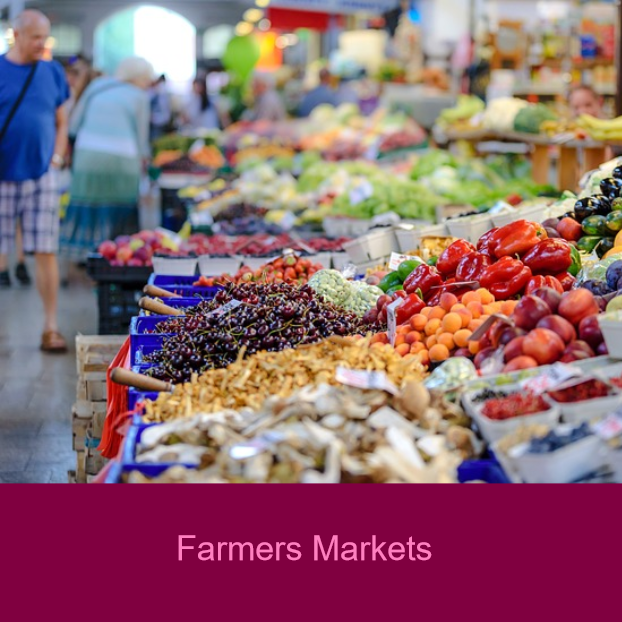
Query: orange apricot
column 430, row 341
column 507, row 306
column 426, row 311
column 399, row 340
column 415, row 348
column 475, row 324
column 432, row 326
column 437, row 313
column 476, row 309
column 403, row 330
column 466, row 316
column 485, row 296
column 474, row 347
column 380, row 338
column 452, row 322
column 470, row 297
column 439, row 353
column 447, row 340
column 413, row 336
column 418, row 321
column 447, row 300
column 403, row 349
column 461, row 338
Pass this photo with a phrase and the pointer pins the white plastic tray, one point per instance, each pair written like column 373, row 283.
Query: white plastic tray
column 175, row 266
column 215, row 266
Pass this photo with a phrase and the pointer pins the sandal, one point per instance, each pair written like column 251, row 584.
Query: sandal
column 53, row 342
column 22, row 275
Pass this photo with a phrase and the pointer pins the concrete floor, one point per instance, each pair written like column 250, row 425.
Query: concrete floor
column 38, row 390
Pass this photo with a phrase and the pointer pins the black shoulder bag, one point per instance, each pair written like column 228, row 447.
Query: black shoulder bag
column 18, row 101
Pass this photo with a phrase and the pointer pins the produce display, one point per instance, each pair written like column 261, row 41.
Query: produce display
column 482, row 344
column 242, row 320
column 248, row 382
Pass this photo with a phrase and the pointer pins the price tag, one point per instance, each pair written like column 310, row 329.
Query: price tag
column 360, row 192
column 610, row 427
column 398, row 258
column 556, row 376
column 391, row 319
column 224, row 309
column 365, row 379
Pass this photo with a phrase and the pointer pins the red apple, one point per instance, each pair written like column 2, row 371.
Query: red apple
column 543, row 345
column 382, row 302
column 134, row 262
column 371, row 316
column 579, row 346
column 589, row 331
column 529, row 311
column 559, row 326
column 521, row 362
column 550, row 296
column 513, row 349
column 107, row 249
column 462, row 352
column 124, row 254
column 123, row 240
column 577, row 304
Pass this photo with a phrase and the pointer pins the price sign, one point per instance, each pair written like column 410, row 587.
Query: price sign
column 398, row 258
column 365, row 380
column 610, row 427
column 391, row 319
column 363, row 190
column 224, row 309
column 559, row 374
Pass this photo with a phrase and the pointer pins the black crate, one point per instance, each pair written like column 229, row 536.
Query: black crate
column 100, row 270
column 118, row 304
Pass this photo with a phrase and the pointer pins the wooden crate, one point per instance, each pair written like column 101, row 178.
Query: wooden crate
column 94, row 462
column 94, row 353
column 81, row 467
column 79, row 426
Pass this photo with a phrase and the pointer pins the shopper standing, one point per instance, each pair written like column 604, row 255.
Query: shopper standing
column 268, row 105
column 200, row 112
column 111, row 129
column 322, row 94
column 33, row 139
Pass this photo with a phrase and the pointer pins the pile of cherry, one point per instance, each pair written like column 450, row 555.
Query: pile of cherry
column 269, row 317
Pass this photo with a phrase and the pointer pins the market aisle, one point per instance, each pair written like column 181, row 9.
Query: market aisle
column 37, row 391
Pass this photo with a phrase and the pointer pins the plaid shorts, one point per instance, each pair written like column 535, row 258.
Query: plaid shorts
column 36, row 204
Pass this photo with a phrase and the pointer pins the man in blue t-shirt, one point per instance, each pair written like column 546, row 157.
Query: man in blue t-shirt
column 32, row 146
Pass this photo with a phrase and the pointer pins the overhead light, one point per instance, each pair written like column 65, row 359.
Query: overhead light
column 264, row 24
column 262, row 4
column 253, row 15
column 292, row 39
column 243, row 28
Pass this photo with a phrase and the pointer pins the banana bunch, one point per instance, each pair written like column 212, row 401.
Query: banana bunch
column 467, row 106
column 604, row 130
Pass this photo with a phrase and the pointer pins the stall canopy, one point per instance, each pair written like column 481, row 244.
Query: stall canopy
column 288, row 19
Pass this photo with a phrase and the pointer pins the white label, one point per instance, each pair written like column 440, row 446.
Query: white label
column 224, row 309
column 391, row 319
column 365, row 379
column 360, row 192
column 610, row 427
column 556, row 376
column 398, row 258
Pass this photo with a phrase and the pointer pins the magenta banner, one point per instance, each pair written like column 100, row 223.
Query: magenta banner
column 310, row 552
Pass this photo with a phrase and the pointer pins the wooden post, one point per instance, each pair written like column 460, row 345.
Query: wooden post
column 593, row 157
column 568, row 168
column 541, row 164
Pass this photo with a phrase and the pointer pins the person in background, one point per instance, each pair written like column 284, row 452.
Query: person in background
column 161, row 112
column 346, row 93
column 33, row 140
column 584, row 99
column 111, row 129
column 200, row 112
column 79, row 73
column 268, row 105
column 323, row 93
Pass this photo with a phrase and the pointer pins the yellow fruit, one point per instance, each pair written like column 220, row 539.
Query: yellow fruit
column 616, row 250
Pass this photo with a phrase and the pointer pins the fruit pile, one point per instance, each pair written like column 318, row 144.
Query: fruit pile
column 243, row 320
column 514, row 405
column 508, row 261
column 545, row 327
column 439, row 332
column 138, row 249
column 290, row 269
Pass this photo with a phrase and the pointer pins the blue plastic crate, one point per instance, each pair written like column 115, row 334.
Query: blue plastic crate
column 180, row 303
column 146, row 324
column 163, row 280
column 135, row 396
column 128, row 457
column 488, row 471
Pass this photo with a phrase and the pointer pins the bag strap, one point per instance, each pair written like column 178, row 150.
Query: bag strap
column 18, row 101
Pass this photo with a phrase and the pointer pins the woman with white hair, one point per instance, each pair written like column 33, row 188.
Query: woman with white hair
column 110, row 126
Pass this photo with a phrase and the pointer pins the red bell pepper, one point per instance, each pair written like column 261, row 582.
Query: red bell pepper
column 423, row 277
column 517, row 238
column 471, row 267
column 452, row 255
column 412, row 305
column 535, row 282
column 567, row 280
column 485, row 243
column 506, row 278
column 550, row 256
